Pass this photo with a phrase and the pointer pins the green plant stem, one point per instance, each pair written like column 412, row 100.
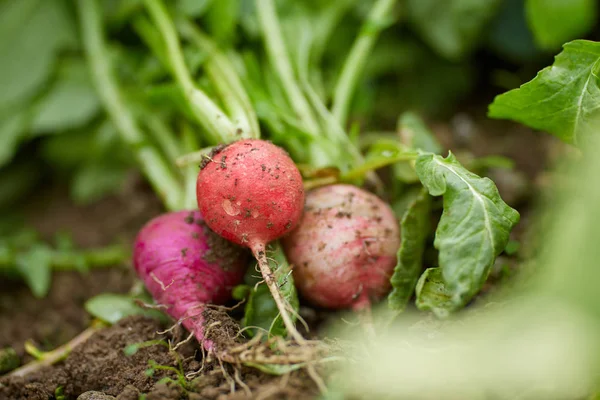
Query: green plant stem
column 355, row 62
column 279, row 58
column 153, row 165
column 362, row 170
column 163, row 135
column 208, row 114
column 58, row 354
column 66, row 260
column 226, row 81
column 191, row 170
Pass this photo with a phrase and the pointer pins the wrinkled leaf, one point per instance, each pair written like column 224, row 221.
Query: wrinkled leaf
column 451, row 27
column 34, row 266
column 31, row 31
column 261, row 310
column 112, row 307
column 432, row 294
column 71, row 101
column 414, row 228
column 474, row 227
column 563, row 99
column 554, row 22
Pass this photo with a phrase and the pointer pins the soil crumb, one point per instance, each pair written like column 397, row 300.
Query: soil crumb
column 101, row 365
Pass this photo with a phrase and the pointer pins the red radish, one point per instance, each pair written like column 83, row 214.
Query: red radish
column 185, row 266
column 250, row 192
column 344, row 250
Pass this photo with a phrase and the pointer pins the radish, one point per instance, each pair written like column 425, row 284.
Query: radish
column 344, row 250
column 185, row 266
column 250, row 192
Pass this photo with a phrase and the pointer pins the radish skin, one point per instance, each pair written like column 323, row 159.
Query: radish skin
column 251, row 193
column 185, row 266
column 344, row 250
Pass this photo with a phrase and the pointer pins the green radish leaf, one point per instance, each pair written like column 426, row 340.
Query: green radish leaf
column 112, row 307
column 554, row 22
column 474, row 228
column 71, row 101
column 451, row 27
column 414, row 228
column 34, row 266
column 31, row 32
column 563, row 99
column 415, row 134
column 382, row 152
column 261, row 310
column 432, row 293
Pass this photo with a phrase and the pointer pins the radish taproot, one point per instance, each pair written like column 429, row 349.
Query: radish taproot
column 344, row 250
column 185, row 266
column 250, row 192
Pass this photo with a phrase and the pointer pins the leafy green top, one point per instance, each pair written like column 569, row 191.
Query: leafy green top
column 474, row 227
column 562, row 99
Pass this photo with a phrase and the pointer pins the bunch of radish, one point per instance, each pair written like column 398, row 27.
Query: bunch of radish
column 342, row 242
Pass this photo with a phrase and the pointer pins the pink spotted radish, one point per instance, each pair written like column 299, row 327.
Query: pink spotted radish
column 344, row 249
column 186, row 266
column 250, row 192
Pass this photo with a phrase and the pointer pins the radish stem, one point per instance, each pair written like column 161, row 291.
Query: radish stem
column 263, row 264
column 207, row 113
column 355, row 62
column 157, row 171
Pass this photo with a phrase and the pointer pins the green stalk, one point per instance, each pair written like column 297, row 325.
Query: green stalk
column 279, row 58
column 355, row 62
column 162, row 134
column 226, row 81
column 152, row 164
column 208, row 114
column 68, row 260
column 191, row 170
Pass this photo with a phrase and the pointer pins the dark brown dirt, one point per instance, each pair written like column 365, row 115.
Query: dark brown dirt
column 59, row 316
column 101, row 365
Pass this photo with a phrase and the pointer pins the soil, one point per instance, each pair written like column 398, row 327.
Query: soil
column 101, row 365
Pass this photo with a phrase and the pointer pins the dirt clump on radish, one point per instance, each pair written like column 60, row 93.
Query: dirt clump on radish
column 344, row 250
column 186, row 267
column 251, row 193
